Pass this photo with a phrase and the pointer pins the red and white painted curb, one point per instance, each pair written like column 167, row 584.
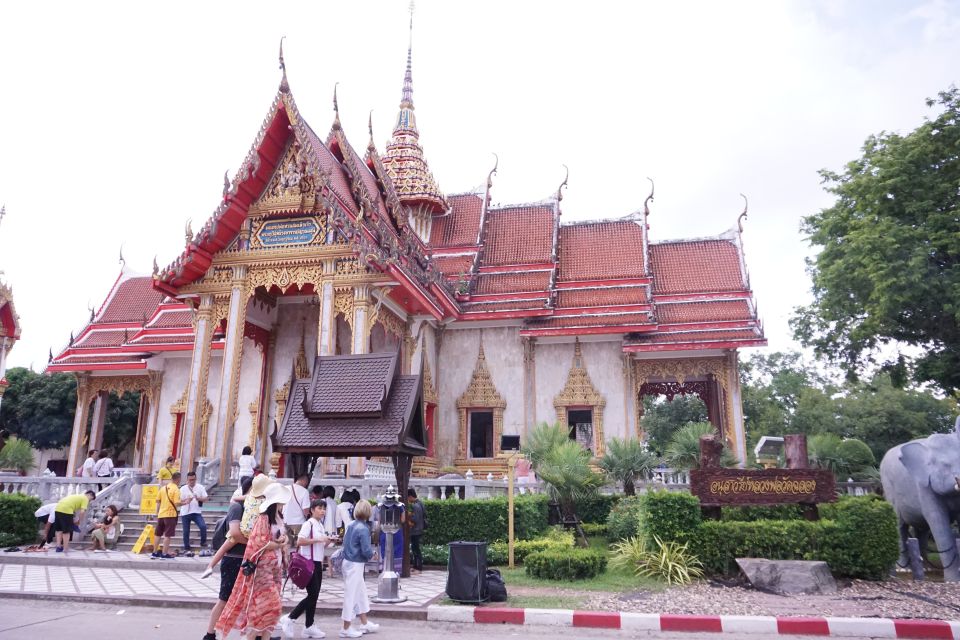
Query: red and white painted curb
column 813, row 626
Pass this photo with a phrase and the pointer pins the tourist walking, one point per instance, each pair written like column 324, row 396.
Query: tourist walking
column 255, row 605
column 167, row 516
column 166, row 471
column 103, row 468
column 192, row 496
column 67, row 514
column 417, row 521
column 357, row 551
column 298, row 509
column 312, row 541
column 247, row 463
column 233, row 558
column 86, row 469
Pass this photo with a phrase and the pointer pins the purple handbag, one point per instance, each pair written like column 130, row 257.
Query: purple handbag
column 301, row 569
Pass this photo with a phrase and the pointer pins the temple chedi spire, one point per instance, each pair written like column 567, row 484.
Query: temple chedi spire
column 404, row 161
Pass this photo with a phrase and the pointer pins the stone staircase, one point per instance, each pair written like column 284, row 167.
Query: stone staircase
column 214, row 508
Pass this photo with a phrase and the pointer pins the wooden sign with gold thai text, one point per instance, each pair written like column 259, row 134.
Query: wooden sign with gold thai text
column 728, row 487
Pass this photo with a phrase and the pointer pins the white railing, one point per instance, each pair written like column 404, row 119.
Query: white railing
column 208, row 472
column 50, row 488
column 119, row 494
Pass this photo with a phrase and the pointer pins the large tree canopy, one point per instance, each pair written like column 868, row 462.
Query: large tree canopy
column 889, row 267
column 39, row 408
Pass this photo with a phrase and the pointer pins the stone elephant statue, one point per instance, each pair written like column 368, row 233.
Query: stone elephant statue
column 921, row 479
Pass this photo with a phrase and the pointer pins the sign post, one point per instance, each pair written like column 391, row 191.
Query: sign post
column 149, row 503
column 511, row 444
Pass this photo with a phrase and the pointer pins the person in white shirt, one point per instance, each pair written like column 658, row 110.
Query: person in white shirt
column 247, row 464
column 86, row 469
column 45, row 516
column 311, row 540
column 192, row 496
column 103, row 468
column 298, row 509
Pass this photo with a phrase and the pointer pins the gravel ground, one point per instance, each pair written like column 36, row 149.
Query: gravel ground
column 854, row 598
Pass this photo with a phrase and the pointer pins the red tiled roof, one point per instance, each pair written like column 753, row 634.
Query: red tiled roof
column 133, row 299
column 351, row 384
column 519, row 235
column 697, row 266
column 510, row 305
column 679, row 337
column 332, row 167
column 164, row 339
column 607, row 296
column 112, row 338
column 453, row 265
column 173, row 319
column 513, row 282
column 134, row 358
column 605, row 320
column 370, row 182
column 461, row 226
column 601, row 250
column 714, row 311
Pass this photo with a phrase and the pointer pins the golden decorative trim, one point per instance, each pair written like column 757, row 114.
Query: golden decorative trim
column 280, row 396
column 148, row 384
column 283, row 277
column 293, row 186
column 343, row 299
column 580, row 392
column 481, row 394
column 680, row 369
column 390, row 322
column 301, row 368
column 254, row 409
column 429, row 391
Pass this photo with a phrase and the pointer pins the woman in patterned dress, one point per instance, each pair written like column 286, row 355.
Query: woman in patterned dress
column 255, row 604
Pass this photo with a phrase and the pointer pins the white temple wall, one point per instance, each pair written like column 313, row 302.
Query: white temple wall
column 213, row 393
column 250, row 367
column 294, row 321
column 176, row 374
column 553, row 362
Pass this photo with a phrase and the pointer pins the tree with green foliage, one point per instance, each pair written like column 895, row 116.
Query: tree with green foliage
column 624, row 460
column 39, row 408
column 888, row 267
column 683, row 452
column 662, row 418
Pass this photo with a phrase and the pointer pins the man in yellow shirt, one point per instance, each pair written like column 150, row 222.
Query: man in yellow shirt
column 69, row 511
column 170, row 503
column 165, row 472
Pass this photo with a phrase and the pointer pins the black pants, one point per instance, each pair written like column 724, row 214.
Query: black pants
column 416, row 555
column 309, row 602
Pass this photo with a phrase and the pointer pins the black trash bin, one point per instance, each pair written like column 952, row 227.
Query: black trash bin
column 467, row 572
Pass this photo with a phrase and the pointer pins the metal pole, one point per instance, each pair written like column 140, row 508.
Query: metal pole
column 510, row 465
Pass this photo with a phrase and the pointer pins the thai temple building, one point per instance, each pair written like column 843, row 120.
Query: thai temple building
column 9, row 324
column 510, row 315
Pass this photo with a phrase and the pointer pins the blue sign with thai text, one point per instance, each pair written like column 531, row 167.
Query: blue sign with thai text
column 275, row 233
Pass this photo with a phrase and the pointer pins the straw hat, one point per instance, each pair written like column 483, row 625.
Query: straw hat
column 259, row 486
column 276, row 494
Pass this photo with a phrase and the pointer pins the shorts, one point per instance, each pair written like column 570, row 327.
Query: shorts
column 63, row 522
column 229, row 570
column 166, row 527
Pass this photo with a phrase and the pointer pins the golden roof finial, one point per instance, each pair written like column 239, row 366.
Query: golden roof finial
column 646, row 203
column 336, row 107
column 743, row 215
column 284, row 86
column 156, row 267
column 3, row 212
column 493, row 172
column 563, row 185
column 371, row 144
column 188, row 231
column 122, row 260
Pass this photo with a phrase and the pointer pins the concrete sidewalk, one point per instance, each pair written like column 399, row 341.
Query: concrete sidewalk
column 144, row 585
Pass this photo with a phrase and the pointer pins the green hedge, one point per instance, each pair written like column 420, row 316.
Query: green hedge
column 566, row 564
column 624, row 519
column 594, row 530
column 17, row 524
column 483, row 519
column 596, row 508
column 858, row 540
column 772, row 512
column 555, row 538
column 866, row 542
column 669, row 515
column 719, row 543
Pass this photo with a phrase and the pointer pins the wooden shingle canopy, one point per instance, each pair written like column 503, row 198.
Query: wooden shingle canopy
column 355, row 405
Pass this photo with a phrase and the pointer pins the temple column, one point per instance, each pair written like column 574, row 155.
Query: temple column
column 99, row 419
column 80, row 415
column 145, row 460
column 361, row 315
column 529, row 384
column 197, row 385
column 230, row 372
column 734, row 401
column 5, row 345
column 263, row 426
column 631, row 422
column 327, row 329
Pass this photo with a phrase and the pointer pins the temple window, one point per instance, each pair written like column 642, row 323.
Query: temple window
column 481, row 434
column 580, row 422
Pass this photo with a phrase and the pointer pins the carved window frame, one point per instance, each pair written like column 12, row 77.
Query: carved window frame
column 480, row 395
column 580, row 393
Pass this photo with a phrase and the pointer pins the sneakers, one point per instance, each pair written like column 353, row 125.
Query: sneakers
column 351, row 633
column 287, row 625
column 188, row 554
column 59, row 549
column 370, row 627
column 166, row 556
column 210, row 636
column 313, row 632
column 155, row 555
column 207, row 572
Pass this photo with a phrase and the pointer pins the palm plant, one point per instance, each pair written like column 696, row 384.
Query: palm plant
column 565, row 468
column 683, row 452
column 624, row 460
column 17, row 454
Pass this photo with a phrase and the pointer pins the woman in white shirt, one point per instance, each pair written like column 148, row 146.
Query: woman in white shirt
column 312, row 540
column 103, row 468
column 247, row 464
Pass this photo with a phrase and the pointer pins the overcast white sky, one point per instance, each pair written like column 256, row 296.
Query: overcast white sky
column 117, row 120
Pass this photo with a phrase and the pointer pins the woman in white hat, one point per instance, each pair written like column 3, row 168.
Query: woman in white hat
column 255, row 604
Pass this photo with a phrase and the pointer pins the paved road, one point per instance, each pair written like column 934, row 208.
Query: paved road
column 29, row 620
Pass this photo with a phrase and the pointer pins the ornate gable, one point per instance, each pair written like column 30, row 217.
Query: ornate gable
column 580, row 392
column 481, row 392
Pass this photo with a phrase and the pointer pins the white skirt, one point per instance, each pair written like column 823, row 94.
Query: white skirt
column 355, row 599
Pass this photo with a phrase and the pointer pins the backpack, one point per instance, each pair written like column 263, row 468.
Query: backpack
column 496, row 589
column 219, row 534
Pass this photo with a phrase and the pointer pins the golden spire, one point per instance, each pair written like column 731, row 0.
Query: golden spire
column 336, row 107
column 284, row 86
